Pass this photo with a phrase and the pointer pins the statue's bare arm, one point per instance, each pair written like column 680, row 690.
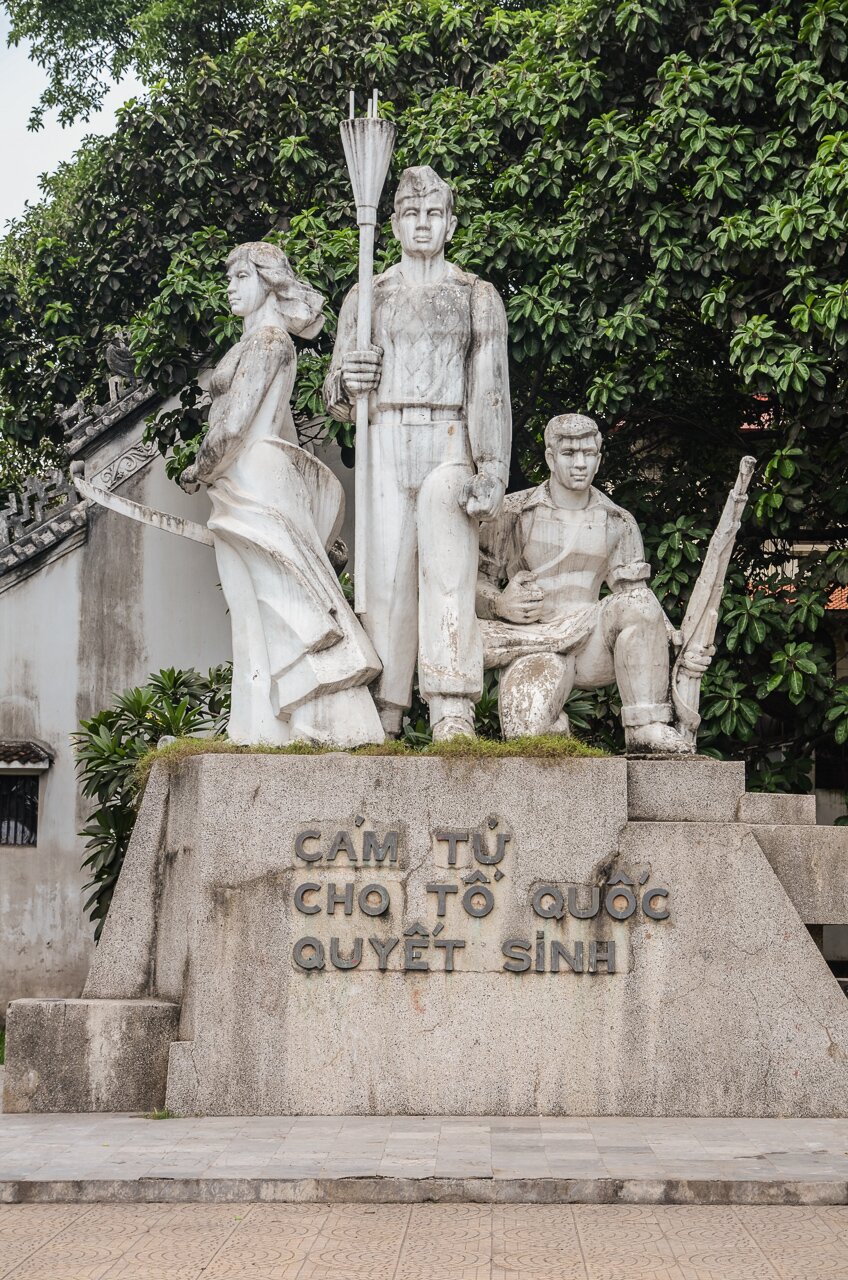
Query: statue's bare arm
column 488, row 404
column 352, row 372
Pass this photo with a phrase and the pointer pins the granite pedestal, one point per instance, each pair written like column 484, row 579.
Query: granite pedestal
column 350, row 935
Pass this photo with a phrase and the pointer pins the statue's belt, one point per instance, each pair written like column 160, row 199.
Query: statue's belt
column 417, row 415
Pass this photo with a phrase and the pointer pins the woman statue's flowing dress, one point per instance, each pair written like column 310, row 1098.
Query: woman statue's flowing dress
column 301, row 660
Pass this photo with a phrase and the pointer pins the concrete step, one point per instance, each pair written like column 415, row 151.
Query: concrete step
column 126, row 1159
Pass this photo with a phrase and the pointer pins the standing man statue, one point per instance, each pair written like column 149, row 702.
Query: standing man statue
column 543, row 563
column 438, row 458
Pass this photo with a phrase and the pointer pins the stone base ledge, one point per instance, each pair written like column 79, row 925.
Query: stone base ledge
column 692, row 789
column 88, row 1055
column 406, row 1190
column 812, row 865
column 772, row 810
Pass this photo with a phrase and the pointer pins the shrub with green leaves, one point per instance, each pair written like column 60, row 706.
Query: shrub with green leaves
column 173, row 704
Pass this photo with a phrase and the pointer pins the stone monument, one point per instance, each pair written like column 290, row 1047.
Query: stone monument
column 349, row 934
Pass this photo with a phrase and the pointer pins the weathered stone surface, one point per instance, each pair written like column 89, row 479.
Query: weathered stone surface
column 131, row 963
column 751, row 1004
column 812, row 865
column 777, row 810
column 724, row 1008
column 394, row 1189
column 143, row 952
column 87, row 1055
column 130, row 971
column 693, row 790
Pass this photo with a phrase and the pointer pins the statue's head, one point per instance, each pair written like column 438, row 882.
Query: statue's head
column 423, row 219
column 258, row 269
column 573, row 449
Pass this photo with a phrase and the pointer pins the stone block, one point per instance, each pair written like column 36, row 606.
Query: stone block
column 262, row 853
column 762, row 807
column 694, row 789
column 87, row 1055
column 812, row 865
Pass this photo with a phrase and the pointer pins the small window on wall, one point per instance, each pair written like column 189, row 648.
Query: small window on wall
column 19, row 809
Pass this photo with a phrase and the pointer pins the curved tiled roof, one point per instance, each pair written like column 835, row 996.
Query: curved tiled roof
column 21, row 752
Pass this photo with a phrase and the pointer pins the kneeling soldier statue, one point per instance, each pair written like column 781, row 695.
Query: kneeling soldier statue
column 543, row 563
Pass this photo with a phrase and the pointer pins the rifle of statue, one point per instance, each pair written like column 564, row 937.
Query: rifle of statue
column 701, row 619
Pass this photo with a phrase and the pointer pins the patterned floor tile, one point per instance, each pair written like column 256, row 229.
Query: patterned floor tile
column 50, row 1268
column 357, row 1242
column 793, row 1225
column 421, row 1242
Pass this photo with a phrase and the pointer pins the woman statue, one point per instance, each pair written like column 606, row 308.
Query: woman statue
column 301, row 661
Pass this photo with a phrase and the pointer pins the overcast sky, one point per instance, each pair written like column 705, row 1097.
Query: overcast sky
column 25, row 155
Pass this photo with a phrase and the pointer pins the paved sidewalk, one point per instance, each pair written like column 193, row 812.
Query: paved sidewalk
column 125, row 1158
column 421, row 1242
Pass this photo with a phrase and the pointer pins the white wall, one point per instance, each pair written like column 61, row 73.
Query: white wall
column 44, row 943
column 91, row 623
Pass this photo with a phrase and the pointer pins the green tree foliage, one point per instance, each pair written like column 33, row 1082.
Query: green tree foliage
column 239, row 146
column 660, row 192
column 172, row 704
column 85, row 44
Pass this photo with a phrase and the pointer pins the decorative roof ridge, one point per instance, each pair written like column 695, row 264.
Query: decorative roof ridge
column 84, row 431
column 41, row 499
column 46, row 511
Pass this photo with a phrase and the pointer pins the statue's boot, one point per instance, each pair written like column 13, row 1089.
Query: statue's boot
column 451, row 717
column 562, row 725
column 391, row 718
column 656, row 739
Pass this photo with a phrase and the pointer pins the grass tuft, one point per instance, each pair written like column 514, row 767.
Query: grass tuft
column 173, row 753
column 549, row 746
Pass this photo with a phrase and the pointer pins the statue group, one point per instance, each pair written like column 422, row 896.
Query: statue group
column 461, row 576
